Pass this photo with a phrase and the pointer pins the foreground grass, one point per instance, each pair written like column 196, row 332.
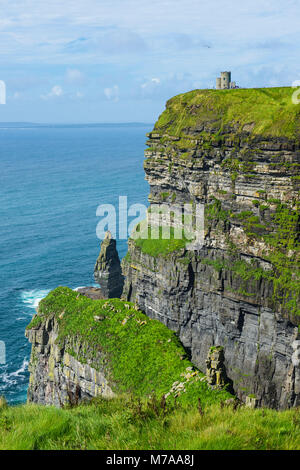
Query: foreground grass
column 124, row 423
column 144, row 358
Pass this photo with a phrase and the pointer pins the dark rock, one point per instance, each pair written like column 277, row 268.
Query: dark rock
column 94, row 293
column 260, row 346
column 108, row 271
column 215, row 367
column 201, row 295
column 56, row 377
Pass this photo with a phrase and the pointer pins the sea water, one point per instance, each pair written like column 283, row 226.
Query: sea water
column 52, row 179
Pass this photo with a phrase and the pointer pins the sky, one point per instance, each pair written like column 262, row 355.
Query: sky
column 88, row 61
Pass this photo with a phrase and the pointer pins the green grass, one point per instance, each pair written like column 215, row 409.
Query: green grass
column 142, row 355
column 125, row 423
column 161, row 246
column 282, row 239
column 269, row 111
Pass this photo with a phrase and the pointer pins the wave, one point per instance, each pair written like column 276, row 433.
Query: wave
column 22, row 369
column 82, row 287
column 77, row 288
column 13, row 378
column 33, row 297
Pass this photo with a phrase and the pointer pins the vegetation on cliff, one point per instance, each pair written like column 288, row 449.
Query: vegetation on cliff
column 141, row 355
column 163, row 401
column 161, row 245
column 266, row 112
column 125, row 423
column 252, row 138
column 280, row 233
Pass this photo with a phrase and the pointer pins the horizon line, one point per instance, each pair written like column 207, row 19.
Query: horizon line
column 74, row 123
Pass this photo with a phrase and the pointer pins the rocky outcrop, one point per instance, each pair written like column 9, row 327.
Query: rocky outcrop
column 215, row 368
column 56, row 376
column 241, row 289
column 108, row 268
column 94, row 293
column 84, row 348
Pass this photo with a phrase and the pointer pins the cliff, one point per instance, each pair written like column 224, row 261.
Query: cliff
column 237, row 152
column 84, row 348
column 233, row 303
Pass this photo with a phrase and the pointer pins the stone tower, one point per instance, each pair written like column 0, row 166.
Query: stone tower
column 107, row 270
column 225, row 80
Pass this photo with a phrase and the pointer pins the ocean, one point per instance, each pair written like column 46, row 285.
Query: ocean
column 52, row 179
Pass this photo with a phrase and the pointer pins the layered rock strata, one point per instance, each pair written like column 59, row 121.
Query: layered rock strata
column 56, row 376
column 241, row 289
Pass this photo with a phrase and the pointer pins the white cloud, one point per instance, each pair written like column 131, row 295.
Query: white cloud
column 74, row 76
column 112, row 93
column 55, row 92
column 116, row 27
column 150, row 83
column 90, row 45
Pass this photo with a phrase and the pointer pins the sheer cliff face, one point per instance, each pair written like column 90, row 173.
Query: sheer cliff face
column 56, row 376
column 234, row 152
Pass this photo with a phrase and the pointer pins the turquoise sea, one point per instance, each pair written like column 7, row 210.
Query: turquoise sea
column 52, row 179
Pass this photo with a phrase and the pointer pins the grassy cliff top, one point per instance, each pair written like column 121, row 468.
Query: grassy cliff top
column 268, row 112
column 142, row 355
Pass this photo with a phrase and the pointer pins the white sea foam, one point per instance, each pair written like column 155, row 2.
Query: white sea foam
column 33, row 297
column 12, row 378
column 22, row 369
column 82, row 287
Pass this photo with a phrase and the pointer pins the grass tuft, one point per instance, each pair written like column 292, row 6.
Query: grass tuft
column 125, row 423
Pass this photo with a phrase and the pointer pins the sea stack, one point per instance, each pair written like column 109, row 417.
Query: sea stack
column 107, row 270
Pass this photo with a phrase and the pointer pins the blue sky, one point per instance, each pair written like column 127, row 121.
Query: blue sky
column 120, row 60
